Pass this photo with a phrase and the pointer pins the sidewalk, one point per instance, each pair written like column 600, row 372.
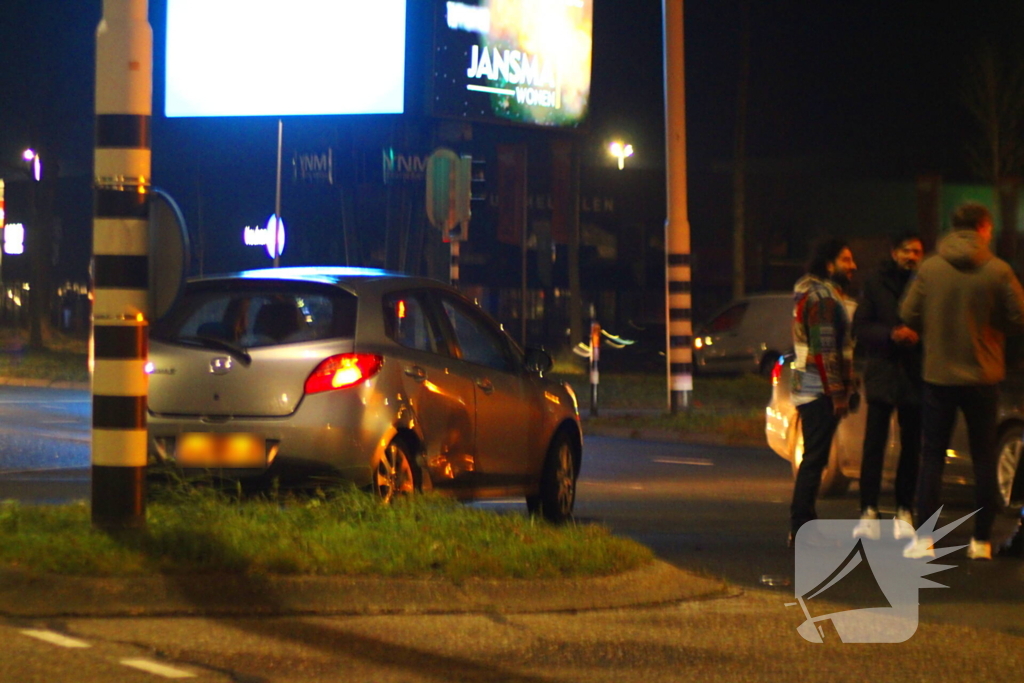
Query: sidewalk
column 26, row 595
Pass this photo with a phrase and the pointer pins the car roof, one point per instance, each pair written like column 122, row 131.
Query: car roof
column 350, row 278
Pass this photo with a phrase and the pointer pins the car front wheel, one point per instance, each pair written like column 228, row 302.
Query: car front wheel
column 557, row 482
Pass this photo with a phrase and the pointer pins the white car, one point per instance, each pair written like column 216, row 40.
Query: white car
column 785, row 437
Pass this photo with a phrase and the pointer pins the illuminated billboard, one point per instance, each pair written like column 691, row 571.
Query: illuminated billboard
column 272, row 58
column 524, row 61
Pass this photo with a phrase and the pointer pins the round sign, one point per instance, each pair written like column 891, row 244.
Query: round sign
column 275, row 225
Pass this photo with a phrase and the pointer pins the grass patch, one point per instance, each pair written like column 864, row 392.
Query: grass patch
column 728, row 408
column 65, row 358
column 347, row 532
column 647, row 391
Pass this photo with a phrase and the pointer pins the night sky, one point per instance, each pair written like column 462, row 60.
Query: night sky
column 866, row 89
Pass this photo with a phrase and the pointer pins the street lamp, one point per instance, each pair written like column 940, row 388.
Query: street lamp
column 620, row 151
column 30, row 156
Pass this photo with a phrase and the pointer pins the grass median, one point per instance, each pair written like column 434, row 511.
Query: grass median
column 65, row 358
column 344, row 532
column 727, row 409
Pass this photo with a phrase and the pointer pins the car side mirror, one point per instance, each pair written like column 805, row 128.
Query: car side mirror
column 538, row 361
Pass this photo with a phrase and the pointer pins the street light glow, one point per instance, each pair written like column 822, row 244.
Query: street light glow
column 620, row 151
column 31, row 157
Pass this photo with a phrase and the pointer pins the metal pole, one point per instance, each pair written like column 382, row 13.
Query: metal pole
column 522, row 242
column 454, row 267
column 124, row 84
column 277, row 195
column 678, row 300
column 3, row 222
column 595, row 357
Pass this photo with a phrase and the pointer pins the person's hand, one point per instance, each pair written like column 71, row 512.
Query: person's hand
column 841, row 406
column 904, row 335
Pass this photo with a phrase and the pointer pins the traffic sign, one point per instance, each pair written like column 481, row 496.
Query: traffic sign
column 448, row 192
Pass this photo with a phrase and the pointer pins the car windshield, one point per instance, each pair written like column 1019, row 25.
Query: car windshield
column 248, row 314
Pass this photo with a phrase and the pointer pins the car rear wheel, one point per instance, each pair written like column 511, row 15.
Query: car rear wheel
column 1009, row 471
column 393, row 475
column 833, row 482
column 557, row 482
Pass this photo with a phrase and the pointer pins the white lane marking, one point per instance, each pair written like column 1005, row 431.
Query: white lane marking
column 702, row 462
column 157, row 668
column 54, row 638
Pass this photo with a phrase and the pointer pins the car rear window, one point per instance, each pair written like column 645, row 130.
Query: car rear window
column 253, row 314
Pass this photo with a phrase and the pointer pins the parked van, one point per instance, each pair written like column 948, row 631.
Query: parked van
column 748, row 335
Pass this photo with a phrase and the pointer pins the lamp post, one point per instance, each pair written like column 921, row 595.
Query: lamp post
column 35, row 164
column 38, row 250
column 620, row 151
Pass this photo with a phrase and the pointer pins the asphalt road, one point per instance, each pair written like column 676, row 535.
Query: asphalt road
column 714, row 509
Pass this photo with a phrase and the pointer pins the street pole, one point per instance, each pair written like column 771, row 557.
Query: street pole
column 124, row 73
column 524, row 198
column 277, row 196
column 453, row 272
column 678, row 299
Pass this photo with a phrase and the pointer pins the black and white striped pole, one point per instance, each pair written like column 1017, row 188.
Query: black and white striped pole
column 678, row 299
column 124, row 63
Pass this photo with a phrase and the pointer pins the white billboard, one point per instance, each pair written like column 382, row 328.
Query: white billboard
column 273, row 58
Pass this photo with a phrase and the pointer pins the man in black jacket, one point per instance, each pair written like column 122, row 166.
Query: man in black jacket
column 892, row 380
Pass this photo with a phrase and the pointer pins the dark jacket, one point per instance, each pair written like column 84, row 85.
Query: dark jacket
column 964, row 302
column 892, row 372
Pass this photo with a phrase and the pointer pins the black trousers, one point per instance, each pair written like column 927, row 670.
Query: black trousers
column 978, row 404
column 818, row 421
column 876, row 436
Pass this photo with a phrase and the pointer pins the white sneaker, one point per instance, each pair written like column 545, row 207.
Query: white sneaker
column 920, row 547
column 869, row 526
column 979, row 550
column 898, row 530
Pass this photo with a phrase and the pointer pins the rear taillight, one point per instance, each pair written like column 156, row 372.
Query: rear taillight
column 343, row 371
column 777, row 370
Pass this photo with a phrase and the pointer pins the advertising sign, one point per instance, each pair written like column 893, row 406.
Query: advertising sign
column 270, row 58
column 523, row 61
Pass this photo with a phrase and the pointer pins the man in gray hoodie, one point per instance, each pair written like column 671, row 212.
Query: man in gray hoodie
column 963, row 302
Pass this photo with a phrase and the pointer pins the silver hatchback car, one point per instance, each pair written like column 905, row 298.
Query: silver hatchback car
column 394, row 383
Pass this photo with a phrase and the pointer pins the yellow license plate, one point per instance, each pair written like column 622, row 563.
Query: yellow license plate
column 202, row 449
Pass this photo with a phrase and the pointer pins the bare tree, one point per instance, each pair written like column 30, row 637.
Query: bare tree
column 739, row 178
column 993, row 92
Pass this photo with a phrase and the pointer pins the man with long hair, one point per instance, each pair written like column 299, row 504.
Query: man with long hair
column 822, row 381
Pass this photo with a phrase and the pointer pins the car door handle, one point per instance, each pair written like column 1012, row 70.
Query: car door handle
column 486, row 385
column 416, row 372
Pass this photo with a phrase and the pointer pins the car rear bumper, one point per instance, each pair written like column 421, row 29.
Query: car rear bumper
column 325, row 434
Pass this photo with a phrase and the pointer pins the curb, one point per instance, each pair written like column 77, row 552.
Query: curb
column 26, row 595
column 45, row 383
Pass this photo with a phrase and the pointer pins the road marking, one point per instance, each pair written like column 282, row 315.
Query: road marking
column 54, row 638
column 701, row 462
column 157, row 668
